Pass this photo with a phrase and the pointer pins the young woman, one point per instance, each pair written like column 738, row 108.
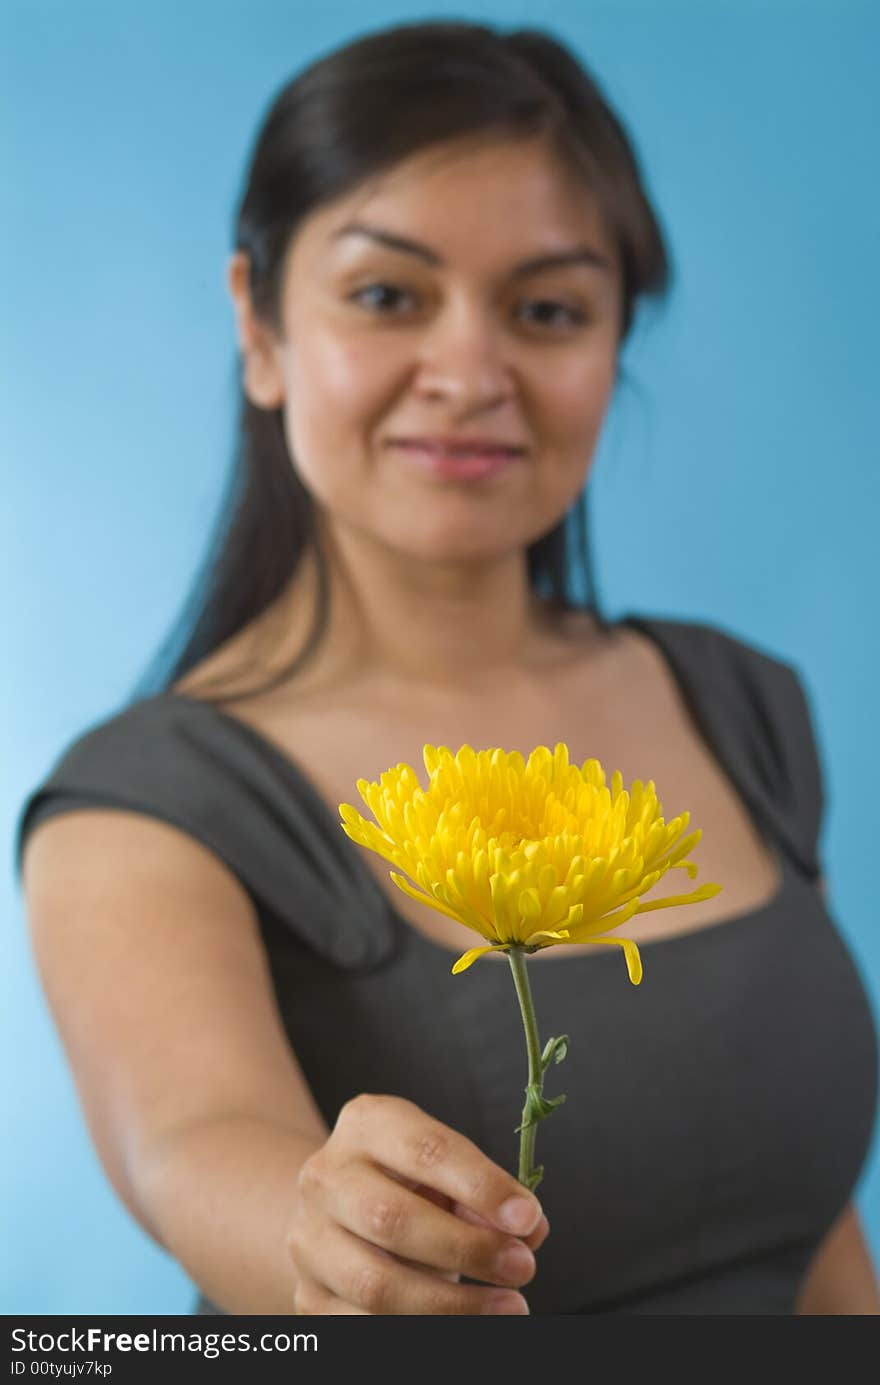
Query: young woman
column 438, row 254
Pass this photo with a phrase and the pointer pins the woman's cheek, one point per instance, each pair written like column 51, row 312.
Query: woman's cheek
column 352, row 367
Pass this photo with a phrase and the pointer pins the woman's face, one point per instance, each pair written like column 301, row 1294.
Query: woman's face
column 410, row 311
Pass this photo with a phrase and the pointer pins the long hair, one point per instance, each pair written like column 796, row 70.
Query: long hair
column 351, row 114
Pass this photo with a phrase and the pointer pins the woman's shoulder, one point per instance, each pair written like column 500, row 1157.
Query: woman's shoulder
column 138, row 757
column 184, row 762
column 758, row 706
column 710, row 637
column 111, row 745
column 740, row 669
column 751, row 680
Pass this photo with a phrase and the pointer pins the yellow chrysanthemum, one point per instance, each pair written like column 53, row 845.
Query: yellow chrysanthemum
column 535, row 852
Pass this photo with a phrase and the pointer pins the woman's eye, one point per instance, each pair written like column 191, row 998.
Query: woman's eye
column 570, row 316
column 385, row 299
column 384, row 292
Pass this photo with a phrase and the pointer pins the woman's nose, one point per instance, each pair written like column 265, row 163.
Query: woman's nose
column 463, row 357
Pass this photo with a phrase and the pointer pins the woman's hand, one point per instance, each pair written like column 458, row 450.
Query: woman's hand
column 395, row 1206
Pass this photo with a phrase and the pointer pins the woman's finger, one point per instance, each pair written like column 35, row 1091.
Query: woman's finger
column 385, row 1213
column 535, row 1239
column 368, row 1278
column 312, row 1299
column 436, row 1155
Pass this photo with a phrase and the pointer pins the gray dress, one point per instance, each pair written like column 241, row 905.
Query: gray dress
column 718, row 1116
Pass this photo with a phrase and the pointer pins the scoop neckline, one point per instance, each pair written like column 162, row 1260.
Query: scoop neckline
column 408, row 932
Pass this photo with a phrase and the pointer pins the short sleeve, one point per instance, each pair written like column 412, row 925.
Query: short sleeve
column 786, row 748
column 808, row 776
column 756, row 715
column 215, row 779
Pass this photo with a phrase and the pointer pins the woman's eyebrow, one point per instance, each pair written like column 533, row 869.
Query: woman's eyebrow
column 583, row 254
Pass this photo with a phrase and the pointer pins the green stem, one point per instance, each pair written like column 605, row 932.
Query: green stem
column 517, row 959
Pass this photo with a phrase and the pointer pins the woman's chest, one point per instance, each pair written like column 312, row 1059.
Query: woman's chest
column 640, row 725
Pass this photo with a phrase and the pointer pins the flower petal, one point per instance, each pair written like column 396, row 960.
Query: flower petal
column 707, row 891
column 560, row 936
column 630, row 952
column 403, row 884
column 472, row 954
column 466, row 917
column 370, row 836
column 583, row 932
column 529, row 906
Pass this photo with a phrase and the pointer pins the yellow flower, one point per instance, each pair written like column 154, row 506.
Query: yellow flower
column 534, row 853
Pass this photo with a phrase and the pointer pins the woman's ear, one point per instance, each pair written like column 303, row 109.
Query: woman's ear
column 262, row 379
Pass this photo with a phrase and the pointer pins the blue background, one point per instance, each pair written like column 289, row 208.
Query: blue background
column 737, row 478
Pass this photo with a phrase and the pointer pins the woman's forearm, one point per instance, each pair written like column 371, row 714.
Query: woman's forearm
column 219, row 1198
column 841, row 1279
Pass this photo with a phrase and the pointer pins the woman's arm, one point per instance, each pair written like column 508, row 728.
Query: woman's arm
column 150, row 956
column 220, row 1195
column 841, row 1277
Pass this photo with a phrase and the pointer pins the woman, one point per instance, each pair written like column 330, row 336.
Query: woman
column 440, row 247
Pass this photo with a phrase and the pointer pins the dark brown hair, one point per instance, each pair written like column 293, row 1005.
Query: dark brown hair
column 349, row 115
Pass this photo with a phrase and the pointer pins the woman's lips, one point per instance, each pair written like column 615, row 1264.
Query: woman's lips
column 459, row 466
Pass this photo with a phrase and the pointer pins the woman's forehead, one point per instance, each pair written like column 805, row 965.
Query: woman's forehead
column 506, row 192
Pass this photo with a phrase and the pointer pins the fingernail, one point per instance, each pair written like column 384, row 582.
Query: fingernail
column 505, row 1303
column 515, row 1262
column 519, row 1214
